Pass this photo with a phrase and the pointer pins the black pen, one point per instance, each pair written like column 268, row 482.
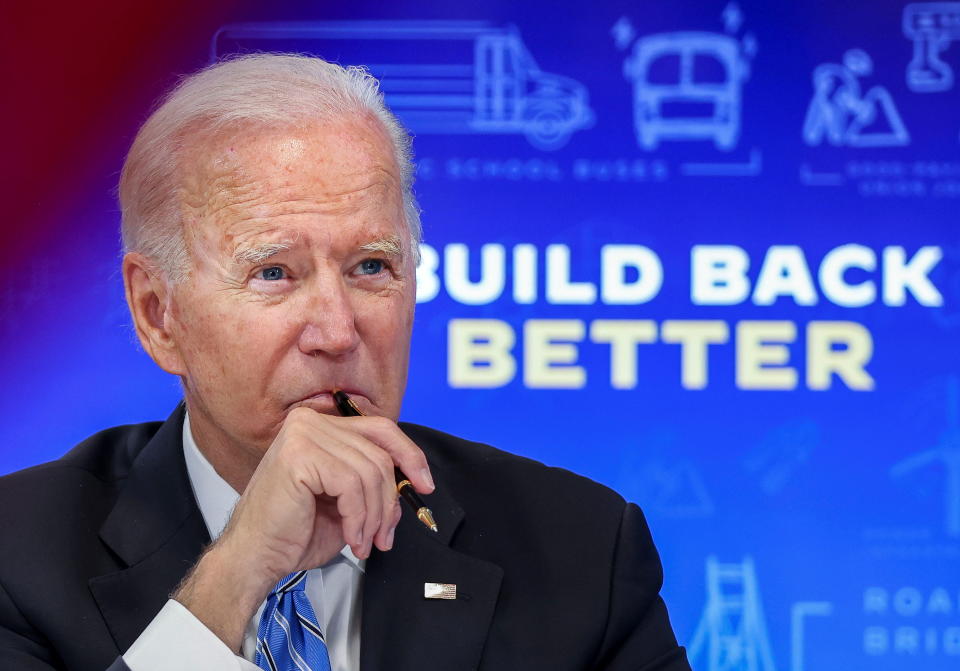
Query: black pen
column 348, row 408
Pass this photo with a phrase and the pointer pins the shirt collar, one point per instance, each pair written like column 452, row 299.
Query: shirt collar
column 216, row 498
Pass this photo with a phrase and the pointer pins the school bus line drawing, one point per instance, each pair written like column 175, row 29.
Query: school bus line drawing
column 687, row 86
column 439, row 77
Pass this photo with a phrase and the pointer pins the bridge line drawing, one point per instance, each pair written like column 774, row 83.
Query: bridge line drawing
column 947, row 452
column 732, row 632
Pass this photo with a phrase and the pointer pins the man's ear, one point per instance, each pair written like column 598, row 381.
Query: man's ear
column 148, row 297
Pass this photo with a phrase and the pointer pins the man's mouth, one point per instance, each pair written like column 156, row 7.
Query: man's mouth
column 322, row 401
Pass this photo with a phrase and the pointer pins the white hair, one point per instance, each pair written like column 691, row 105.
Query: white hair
column 273, row 90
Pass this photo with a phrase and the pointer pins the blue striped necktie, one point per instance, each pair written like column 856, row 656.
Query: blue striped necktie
column 289, row 637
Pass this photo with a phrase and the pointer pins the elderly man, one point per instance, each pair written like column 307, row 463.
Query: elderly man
column 271, row 243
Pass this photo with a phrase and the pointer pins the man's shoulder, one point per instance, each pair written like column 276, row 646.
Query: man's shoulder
column 447, row 450
column 509, row 474
column 101, row 460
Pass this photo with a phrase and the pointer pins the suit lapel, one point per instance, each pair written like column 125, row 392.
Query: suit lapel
column 402, row 630
column 155, row 529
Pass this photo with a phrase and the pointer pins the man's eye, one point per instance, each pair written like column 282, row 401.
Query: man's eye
column 371, row 267
column 271, row 273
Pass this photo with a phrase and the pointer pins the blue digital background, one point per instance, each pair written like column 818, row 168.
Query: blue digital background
column 831, row 514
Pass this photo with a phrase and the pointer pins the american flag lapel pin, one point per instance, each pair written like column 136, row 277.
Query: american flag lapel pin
column 439, row 590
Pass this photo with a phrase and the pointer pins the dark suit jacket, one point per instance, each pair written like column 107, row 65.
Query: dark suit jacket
column 552, row 570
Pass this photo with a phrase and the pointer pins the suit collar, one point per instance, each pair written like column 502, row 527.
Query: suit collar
column 156, row 498
column 156, row 531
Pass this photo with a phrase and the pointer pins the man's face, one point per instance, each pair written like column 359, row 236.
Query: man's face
column 302, row 279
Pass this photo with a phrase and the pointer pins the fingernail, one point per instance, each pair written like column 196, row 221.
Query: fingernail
column 390, row 538
column 425, row 474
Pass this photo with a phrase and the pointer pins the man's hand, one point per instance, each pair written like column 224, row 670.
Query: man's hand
column 324, row 482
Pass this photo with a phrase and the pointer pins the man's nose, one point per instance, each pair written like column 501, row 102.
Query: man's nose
column 329, row 319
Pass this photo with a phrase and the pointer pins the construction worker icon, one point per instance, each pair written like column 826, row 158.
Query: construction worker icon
column 841, row 114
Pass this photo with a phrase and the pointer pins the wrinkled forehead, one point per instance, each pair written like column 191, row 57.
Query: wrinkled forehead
column 248, row 172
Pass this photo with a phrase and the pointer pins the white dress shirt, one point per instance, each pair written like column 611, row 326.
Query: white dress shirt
column 177, row 641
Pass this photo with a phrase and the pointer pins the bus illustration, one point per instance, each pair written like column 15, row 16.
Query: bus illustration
column 443, row 77
column 687, row 86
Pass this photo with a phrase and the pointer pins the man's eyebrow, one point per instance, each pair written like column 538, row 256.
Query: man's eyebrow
column 390, row 245
column 258, row 252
